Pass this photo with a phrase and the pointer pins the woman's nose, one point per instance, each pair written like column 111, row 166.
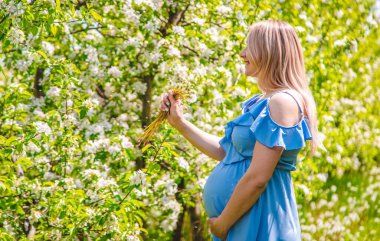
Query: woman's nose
column 242, row 53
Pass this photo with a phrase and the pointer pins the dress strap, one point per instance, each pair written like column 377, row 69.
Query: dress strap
column 285, row 91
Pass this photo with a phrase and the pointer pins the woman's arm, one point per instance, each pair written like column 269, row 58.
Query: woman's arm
column 205, row 142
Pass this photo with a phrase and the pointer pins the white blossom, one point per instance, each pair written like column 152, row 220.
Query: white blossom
column 50, row 176
column 138, row 178
column 16, row 35
column 53, row 91
column 224, row 10
column 151, row 25
column 183, row 163
column 125, row 142
column 339, row 43
column 173, row 51
column 139, row 87
column 179, row 30
column 114, row 149
column 299, row 29
column 133, row 41
column 42, row 127
column 89, row 173
column 114, row 72
column 322, row 176
column 311, row 39
column 32, row 148
column 309, row 24
column 102, row 182
column 303, row 16
column 92, row 54
column 132, row 238
column 199, row 21
column 339, row 13
column 48, row 47
column 38, row 112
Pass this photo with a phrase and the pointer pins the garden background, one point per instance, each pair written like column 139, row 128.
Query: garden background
column 80, row 79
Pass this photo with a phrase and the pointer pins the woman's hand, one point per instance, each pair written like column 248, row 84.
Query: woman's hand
column 217, row 228
column 175, row 108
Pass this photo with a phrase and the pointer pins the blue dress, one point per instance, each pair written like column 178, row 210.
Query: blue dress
column 274, row 216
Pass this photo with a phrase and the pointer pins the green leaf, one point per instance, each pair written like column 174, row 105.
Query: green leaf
column 42, row 54
column 24, row 162
column 53, row 29
column 137, row 203
column 174, row 153
column 156, row 167
column 96, row 15
column 145, row 148
column 11, row 140
column 58, row 5
column 75, row 68
column 19, row 210
column 83, row 112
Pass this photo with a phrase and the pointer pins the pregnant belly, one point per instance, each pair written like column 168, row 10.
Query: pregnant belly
column 220, row 185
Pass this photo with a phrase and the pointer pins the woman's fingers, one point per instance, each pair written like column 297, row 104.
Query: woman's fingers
column 167, row 100
column 171, row 98
column 164, row 101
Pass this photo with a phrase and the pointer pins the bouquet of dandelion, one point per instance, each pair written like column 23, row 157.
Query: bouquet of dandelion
column 178, row 93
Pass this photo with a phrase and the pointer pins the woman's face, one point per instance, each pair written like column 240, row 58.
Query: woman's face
column 249, row 68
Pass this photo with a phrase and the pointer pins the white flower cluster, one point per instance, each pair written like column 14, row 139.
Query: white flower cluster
column 170, row 222
column 224, row 10
column 48, row 48
column 179, row 30
column 173, row 52
column 42, row 127
column 102, row 182
column 32, row 148
column 138, row 178
column 91, row 103
column 125, row 142
column 23, row 64
column 89, row 173
column 166, row 185
column 132, row 238
column 97, row 145
column 114, row 72
column 152, row 25
column 53, row 91
column 183, row 163
column 92, row 54
column 339, row 43
column 311, row 39
column 199, row 21
column 16, row 35
column 139, row 87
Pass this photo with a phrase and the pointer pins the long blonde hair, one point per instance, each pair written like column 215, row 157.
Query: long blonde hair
column 277, row 56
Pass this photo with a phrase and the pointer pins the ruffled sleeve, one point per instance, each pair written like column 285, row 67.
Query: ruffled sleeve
column 271, row 134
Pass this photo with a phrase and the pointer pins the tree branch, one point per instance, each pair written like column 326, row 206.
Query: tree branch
column 86, row 29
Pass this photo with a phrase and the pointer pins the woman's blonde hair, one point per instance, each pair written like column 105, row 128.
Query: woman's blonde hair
column 277, row 56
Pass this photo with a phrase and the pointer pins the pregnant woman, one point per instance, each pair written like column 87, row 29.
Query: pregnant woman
column 249, row 195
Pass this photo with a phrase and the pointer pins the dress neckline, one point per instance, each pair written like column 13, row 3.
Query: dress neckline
column 256, row 100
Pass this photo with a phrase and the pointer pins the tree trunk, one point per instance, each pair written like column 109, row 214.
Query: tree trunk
column 37, row 87
column 195, row 217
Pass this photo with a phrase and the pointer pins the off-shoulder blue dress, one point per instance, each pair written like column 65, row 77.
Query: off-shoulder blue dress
column 274, row 216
